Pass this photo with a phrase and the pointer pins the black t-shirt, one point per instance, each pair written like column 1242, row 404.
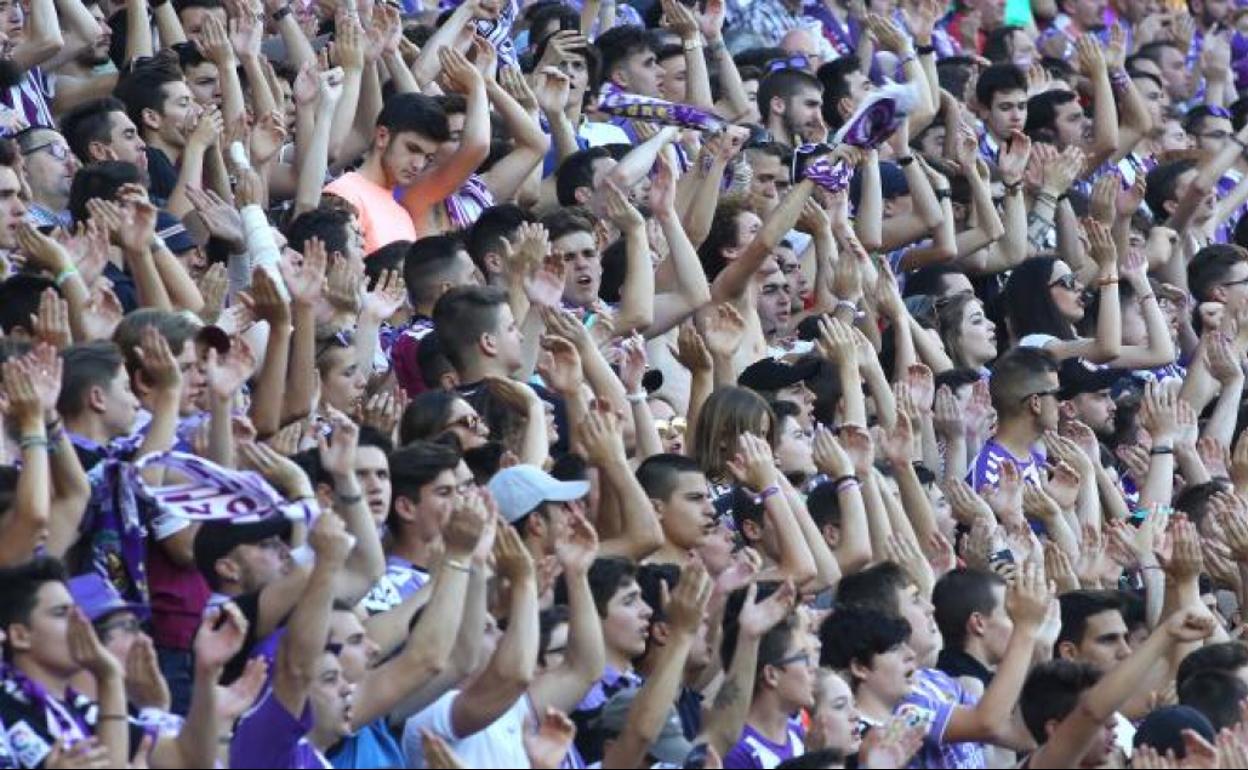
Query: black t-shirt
column 29, row 726
column 162, row 176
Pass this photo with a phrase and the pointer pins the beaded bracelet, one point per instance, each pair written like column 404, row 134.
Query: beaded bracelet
column 30, row 442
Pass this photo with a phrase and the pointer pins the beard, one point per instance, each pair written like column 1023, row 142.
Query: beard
column 10, row 73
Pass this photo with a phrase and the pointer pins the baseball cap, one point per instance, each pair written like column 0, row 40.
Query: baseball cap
column 97, row 597
column 173, row 232
column 893, row 183
column 521, row 488
column 215, row 539
column 772, row 375
column 670, row 747
column 1078, row 377
column 1163, row 729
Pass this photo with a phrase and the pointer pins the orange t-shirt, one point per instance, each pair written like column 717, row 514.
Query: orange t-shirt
column 382, row 219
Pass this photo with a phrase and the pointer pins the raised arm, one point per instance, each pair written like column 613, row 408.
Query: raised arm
column 636, row 310
column 268, row 305
column 367, row 562
column 641, row 533
column 510, row 671
column 732, row 282
column 42, row 38
column 23, row 527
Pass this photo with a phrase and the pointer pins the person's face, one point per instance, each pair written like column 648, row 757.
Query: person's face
column 1096, row 410
column 97, row 54
column 932, row 141
column 583, row 266
column 1204, row 210
column 577, row 70
column 775, row 303
column 627, row 624
column 1066, row 291
column 925, row 639
column 978, row 335
column 178, row 112
column 193, row 380
column 795, row 449
column 672, row 82
column 193, row 20
column 13, row 19
column 437, row 500
column 836, row 715
column 1087, row 13
column 50, row 168
column 1175, row 75
column 1214, row 134
column 795, row 675
column 803, row 116
column 670, row 432
column 768, row 171
column 687, row 516
column 556, row 649
column 259, row 564
column 1173, row 137
column 642, row 73
column 46, row 637
column 1233, row 290
column 716, row 551
column 330, row 695
column 12, row 209
column 1007, row 114
column 804, row 398
column 404, row 155
column 748, row 225
column 1073, row 125
column 467, row 425
column 890, row 674
column 359, row 652
column 1154, row 97
column 119, row 407
column 1022, row 49
column 751, row 97
column 118, row 631
column 509, row 340
column 343, row 381
column 124, row 140
column 204, row 80
column 791, row 267
column 997, row 627
column 372, row 471
column 1104, row 644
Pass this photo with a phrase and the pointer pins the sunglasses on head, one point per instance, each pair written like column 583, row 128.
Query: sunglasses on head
column 798, row 61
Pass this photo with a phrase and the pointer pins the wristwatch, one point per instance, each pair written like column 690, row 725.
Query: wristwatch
column 693, row 44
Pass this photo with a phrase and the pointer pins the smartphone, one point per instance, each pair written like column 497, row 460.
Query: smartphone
column 1004, row 555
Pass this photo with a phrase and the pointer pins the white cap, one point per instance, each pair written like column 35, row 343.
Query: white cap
column 520, row 489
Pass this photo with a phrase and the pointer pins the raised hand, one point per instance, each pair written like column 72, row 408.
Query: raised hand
column 757, row 618
column 576, row 545
column 724, row 331
column 388, row 294
column 687, row 605
column 857, row 443
column 622, row 213
column 51, row 323
column 330, row 540
column 265, row 301
column 337, row 451
column 305, row 279
column 463, row 529
column 511, row 557
column 145, row 685
column 458, row 74
column 279, row 471
column 86, row 650
column 220, row 637
column 160, row 370
column 1006, row 499
column 829, row 457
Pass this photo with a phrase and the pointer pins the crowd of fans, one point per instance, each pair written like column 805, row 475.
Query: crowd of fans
column 724, row 383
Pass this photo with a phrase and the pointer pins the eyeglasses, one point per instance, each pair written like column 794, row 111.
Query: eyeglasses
column 1041, row 394
column 801, row 657
column 58, row 150
column 128, row 625
column 1069, row 282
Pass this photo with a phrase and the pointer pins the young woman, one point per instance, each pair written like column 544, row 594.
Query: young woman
column 435, row 412
column 969, row 337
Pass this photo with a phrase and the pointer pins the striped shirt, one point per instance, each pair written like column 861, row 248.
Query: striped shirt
column 31, row 97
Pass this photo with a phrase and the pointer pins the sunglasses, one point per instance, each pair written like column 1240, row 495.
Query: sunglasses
column 339, row 339
column 668, row 428
column 57, row 150
column 801, row 657
column 1069, row 282
column 470, row 422
column 798, row 61
column 129, row 626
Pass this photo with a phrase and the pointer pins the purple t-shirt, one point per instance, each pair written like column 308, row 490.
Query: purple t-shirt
column 270, row 736
column 754, row 750
column 937, row 695
column 986, row 472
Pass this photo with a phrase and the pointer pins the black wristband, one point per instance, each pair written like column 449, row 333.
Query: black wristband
column 1161, row 450
column 281, row 13
column 906, row 161
column 925, row 50
column 943, row 195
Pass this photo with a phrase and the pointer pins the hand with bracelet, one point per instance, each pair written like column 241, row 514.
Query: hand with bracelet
column 21, row 401
column 337, row 453
column 753, row 465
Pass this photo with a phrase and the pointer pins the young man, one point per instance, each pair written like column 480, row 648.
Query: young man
column 678, row 489
column 1001, row 92
column 433, row 266
column 957, row 717
column 1071, row 709
column 790, row 102
column 1086, row 395
column 49, row 641
column 970, row 612
column 101, row 130
column 628, row 62
column 537, row 505
column 1093, row 630
column 1024, row 389
column 424, row 489
column 177, row 131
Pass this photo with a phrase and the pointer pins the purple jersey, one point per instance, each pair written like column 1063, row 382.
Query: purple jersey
column 754, row 750
column 986, row 472
column 270, row 736
column 400, row 581
column 937, row 695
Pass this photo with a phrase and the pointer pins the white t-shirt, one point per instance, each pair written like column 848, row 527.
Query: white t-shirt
column 499, row 745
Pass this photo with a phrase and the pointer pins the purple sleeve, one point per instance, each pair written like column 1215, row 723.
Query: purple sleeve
column 940, row 712
column 406, row 365
column 269, row 735
column 740, row 756
column 987, row 469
